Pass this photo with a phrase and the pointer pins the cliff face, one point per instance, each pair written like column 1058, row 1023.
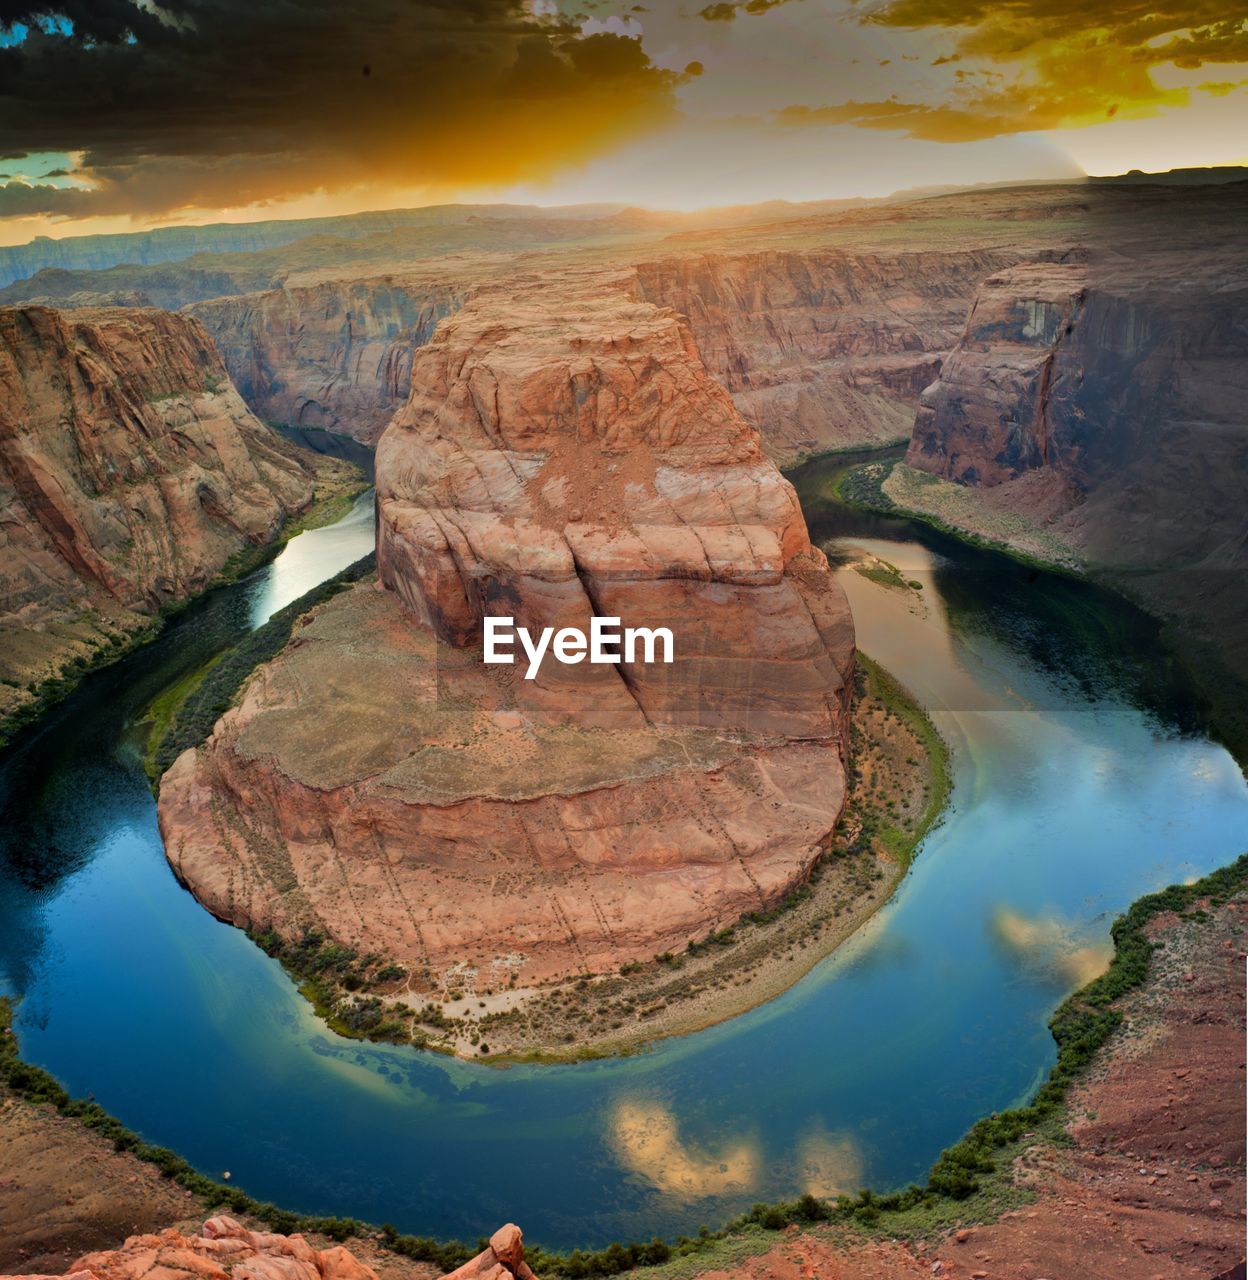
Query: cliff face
column 823, row 349
column 337, row 356
column 1102, row 399
column 563, row 454
column 130, row 470
column 819, row 349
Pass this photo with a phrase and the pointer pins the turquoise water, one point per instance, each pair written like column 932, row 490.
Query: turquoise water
column 1082, row 779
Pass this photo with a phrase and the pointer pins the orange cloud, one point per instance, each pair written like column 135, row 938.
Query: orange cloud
column 1042, row 64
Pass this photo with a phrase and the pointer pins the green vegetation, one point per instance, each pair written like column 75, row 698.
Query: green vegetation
column 901, row 841
column 160, row 712
column 971, row 1179
column 203, row 704
column 862, row 488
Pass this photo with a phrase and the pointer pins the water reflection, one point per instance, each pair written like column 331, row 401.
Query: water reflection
column 829, row 1164
column 1050, row 946
column 647, row 1138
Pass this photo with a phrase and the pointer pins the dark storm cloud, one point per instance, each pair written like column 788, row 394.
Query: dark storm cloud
column 225, row 102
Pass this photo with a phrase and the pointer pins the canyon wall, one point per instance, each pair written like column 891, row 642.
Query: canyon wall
column 130, row 471
column 1099, row 397
column 563, row 453
column 823, row 348
column 335, row 356
column 819, row 349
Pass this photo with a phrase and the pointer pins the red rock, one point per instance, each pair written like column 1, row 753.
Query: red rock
column 130, row 471
column 335, row 355
column 626, row 808
column 508, row 1245
column 340, row 1264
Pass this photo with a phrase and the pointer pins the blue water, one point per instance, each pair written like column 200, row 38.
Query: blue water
column 1082, row 779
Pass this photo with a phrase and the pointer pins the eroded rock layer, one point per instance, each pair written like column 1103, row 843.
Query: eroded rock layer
column 130, row 471
column 563, row 454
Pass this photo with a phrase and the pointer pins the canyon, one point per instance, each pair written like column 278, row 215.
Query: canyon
column 596, row 431
column 335, row 356
column 564, row 453
column 130, row 472
column 823, row 322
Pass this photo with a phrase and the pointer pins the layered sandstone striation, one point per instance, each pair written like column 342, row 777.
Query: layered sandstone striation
column 563, row 454
column 130, row 471
column 823, row 348
column 225, row 1249
column 335, row 355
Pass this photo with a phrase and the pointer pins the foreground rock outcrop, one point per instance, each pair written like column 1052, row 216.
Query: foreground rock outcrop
column 563, row 454
column 225, row 1249
column 130, row 472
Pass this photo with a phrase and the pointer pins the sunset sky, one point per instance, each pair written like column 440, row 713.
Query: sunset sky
column 116, row 115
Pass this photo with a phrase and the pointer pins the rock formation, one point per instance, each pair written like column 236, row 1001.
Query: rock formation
column 130, row 471
column 336, row 355
column 224, row 1249
column 823, row 348
column 563, row 454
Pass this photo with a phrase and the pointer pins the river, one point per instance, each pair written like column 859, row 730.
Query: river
column 1082, row 779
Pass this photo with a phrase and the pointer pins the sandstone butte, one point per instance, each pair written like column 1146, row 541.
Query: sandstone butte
column 563, row 453
column 130, row 471
column 224, row 1249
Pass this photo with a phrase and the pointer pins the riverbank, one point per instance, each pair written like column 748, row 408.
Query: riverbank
column 94, row 641
column 1136, row 1172
column 890, row 487
column 183, row 715
column 899, row 784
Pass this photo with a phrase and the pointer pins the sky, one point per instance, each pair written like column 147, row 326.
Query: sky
column 122, row 114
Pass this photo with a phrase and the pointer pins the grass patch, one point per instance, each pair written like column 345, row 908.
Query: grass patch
column 902, row 841
column 160, row 712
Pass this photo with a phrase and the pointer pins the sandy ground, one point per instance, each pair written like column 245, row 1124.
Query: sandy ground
column 64, row 1191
